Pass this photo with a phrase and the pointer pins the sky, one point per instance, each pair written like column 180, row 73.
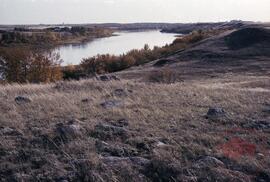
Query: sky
column 130, row 11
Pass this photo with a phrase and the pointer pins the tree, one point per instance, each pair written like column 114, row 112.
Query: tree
column 146, row 47
column 23, row 65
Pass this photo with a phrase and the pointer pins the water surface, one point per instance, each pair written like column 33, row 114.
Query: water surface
column 124, row 42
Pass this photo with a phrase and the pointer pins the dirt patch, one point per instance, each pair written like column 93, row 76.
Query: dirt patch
column 237, row 147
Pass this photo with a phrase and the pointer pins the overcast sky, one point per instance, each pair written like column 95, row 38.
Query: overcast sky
column 124, row 11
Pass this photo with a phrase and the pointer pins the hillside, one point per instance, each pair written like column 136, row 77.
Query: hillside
column 237, row 51
column 210, row 123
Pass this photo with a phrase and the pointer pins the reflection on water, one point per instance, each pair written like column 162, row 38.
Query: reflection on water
column 124, row 42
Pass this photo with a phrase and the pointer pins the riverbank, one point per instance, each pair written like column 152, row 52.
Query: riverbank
column 50, row 37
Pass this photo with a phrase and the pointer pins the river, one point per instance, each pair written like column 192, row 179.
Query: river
column 122, row 43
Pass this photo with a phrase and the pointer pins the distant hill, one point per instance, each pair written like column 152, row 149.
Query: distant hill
column 236, row 50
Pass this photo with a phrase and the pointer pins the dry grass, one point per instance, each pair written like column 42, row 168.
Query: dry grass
column 166, row 126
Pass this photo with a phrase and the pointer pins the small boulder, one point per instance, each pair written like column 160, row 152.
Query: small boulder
column 69, row 131
column 140, row 161
column 108, row 77
column 120, row 123
column 104, row 78
column 120, row 92
column 9, row 131
column 160, row 144
column 208, row 161
column 215, row 113
column 107, row 131
column 85, row 100
column 266, row 109
column 111, row 104
column 118, row 150
column 119, row 161
column 22, row 100
column 258, row 125
column 115, row 161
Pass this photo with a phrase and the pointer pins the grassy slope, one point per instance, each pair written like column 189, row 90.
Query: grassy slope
column 166, row 126
column 156, row 132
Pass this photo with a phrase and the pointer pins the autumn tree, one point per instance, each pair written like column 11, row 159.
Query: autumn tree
column 23, row 65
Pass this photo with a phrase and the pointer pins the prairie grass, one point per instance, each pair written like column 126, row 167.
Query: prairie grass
column 171, row 114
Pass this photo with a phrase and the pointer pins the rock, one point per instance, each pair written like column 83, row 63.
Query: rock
column 106, row 131
column 114, row 150
column 9, row 131
column 208, row 161
column 262, row 176
column 120, row 123
column 120, row 93
column 143, row 144
column 266, row 110
column 140, row 161
column 22, row 100
column 108, row 77
column 68, row 131
column 21, row 177
column 215, row 113
column 85, row 100
column 258, row 125
column 160, row 144
column 104, row 78
column 116, row 161
column 3, row 153
column 111, row 104
column 260, row 156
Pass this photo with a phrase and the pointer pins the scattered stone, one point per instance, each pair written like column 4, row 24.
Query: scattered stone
column 111, row 104
column 140, row 161
column 22, row 100
column 266, row 110
column 262, row 176
column 120, row 123
column 68, row 131
column 3, row 153
column 104, row 78
column 143, row 145
column 260, row 155
column 215, row 113
column 108, row 77
column 116, row 161
column 21, row 177
column 120, row 92
column 85, row 100
column 258, row 125
column 114, row 150
column 208, row 161
column 160, row 144
column 106, row 131
column 9, row 131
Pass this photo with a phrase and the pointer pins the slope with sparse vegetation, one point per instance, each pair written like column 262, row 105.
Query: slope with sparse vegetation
column 201, row 113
